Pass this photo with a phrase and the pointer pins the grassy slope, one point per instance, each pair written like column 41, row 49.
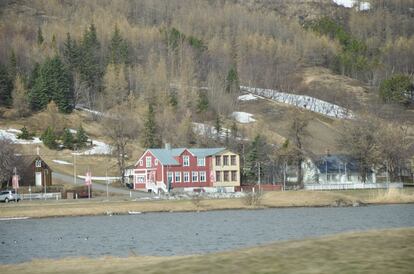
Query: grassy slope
column 269, row 200
column 387, row 251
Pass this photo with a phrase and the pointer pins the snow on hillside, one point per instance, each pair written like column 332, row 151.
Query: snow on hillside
column 99, row 148
column 61, row 162
column 353, row 3
column 247, row 97
column 302, row 101
column 11, row 134
column 243, row 117
column 208, row 130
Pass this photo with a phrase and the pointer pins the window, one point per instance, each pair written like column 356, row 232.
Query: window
column 38, row 163
column 194, row 176
column 178, row 177
column 226, row 176
column 202, row 176
column 140, row 162
column 225, row 160
column 186, row 177
column 201, row 161
column 170, row 177
column 186, row 161
column 156, row 162
column 233, row 160
column 218, row 160
column 218, row 177
column 148, row 161
column 234, row 176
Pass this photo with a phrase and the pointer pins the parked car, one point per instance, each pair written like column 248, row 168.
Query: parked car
column 9, row 195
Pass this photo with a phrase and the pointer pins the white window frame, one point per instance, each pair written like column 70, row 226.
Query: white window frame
column 140, row 163
column 156, row 162
column 186, row 160
column 194, row 174
column 203, row 176
column 170, row 175
column 201, row 161
column 186, row 177
column 38, row 163
column 177, row 177
column 148, row 161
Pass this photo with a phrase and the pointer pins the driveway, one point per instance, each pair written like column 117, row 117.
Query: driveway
column 123, row 191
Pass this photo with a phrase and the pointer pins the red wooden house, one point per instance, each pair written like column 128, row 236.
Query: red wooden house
column 169, row 168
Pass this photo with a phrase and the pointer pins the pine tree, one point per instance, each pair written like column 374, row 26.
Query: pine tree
column 25, row 134
column 6, row 87
column 81, row 137
column 40, row 38
column 234, row 130
column 20, row 97
column 150, row 138
column 202, row 102
column 71, row 53
column 89, row 63
column 232, row 81
column 49, row 138
column 54, row 82
column 68, row 139
column 118, row 48
column 12, row 66
column 256, row 154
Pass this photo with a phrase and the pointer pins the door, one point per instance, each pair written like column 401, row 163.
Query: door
column 38, row 178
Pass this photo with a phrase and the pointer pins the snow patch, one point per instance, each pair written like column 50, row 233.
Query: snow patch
column 210, row 131
column 99, row 148
column 11, row 134
column 61, row 162
column 243, row 117
column 353, row 3
column 302, row 101
column 247, row 97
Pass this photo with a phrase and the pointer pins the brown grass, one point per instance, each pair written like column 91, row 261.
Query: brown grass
column 386, row 251
column 39, row 209
column 390, row 196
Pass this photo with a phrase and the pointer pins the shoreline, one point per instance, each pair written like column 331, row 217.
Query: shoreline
column 270, row 200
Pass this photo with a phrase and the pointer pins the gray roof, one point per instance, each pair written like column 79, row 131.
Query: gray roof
column 167, row 156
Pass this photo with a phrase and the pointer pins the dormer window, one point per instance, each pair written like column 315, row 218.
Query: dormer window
column 148, row 161
column 140, row 163
column 201, row 161
column 186, row 160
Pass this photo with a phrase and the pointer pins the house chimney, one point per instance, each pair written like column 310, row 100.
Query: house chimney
column 168, row 146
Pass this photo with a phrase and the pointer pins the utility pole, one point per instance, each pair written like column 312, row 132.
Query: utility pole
column 258, row 177
column 284, row 176
column 74, row 166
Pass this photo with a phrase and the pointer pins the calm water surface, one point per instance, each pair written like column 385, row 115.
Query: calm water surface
column 185, row 233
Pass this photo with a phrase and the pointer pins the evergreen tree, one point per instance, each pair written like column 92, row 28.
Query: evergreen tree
column 234, row 130
column 232, row 81
column 12, row 66
column 6, row 87
column 202, row 102
column 256, row 155
column 118, row 48
column 398, row 89
column 40, row 38
column 68, row 139
column 53, row 82
column 71, row 53
column 81, row 137
column 49, row 138
column 25, row 134
column 90, row 67
column 150, row 138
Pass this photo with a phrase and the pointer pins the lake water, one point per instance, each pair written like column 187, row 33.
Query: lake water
column 185, row 233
